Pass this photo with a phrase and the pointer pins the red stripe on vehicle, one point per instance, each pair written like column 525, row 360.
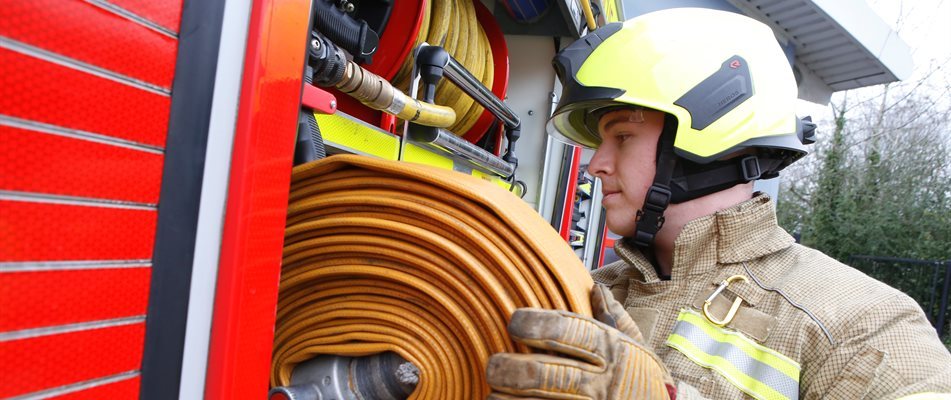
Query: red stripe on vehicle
column 90, row 34
column 46, row 362
column 32, row 231
column 167, row 13
column 38, row 90
column 125, row 389
column 239, row 354
column 46, row 163
column 33, row 299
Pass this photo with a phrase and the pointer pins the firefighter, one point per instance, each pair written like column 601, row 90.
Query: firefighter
column 711, row 298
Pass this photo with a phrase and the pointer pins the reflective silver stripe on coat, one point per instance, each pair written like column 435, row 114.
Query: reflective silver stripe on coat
column 755, row 369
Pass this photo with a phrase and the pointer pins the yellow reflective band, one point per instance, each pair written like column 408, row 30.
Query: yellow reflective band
column 761, row 353
column 494, row 179
column 419, row 155
column 355, row 136
column 750, row 386
column 758, row 371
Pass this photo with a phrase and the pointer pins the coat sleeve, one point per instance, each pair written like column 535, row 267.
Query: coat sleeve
column 888, row 350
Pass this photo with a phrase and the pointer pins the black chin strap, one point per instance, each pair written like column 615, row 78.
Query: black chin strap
column 692, row 180
column 650, row 218
column 677, row 180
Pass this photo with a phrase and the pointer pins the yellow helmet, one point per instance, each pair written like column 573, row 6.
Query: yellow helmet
column 722, row 79
column 722, row 75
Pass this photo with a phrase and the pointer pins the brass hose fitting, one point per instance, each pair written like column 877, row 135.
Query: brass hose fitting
column 375, row 92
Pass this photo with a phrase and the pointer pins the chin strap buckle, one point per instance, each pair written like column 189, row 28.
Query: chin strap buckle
column 750, row 168
column 651, row 218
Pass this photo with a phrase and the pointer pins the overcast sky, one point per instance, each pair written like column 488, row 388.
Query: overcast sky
column 925, row 25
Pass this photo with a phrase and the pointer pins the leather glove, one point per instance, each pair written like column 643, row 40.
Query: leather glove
column 596, row 359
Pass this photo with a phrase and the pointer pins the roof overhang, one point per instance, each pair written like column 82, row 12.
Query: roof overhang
column 838, row 44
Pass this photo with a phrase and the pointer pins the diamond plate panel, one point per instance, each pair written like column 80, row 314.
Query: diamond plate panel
column 125, row 389
column 38, row 90
column 32, row 231
column 44, row 362
column 46, row 163
column 33, row 299
column 167, row 13
column 90, row 34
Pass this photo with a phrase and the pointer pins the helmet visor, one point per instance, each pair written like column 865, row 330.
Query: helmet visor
column 577, row 124
column 571, row 121
column 574, row 126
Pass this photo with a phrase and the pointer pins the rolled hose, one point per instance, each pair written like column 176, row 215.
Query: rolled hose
column 452, row 24
column 428, row 263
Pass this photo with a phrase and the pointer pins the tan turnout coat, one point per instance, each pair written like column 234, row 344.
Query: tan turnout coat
column 852, row 337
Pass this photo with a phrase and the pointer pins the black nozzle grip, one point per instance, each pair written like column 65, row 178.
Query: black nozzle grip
column 353, row 35
column 431, row 61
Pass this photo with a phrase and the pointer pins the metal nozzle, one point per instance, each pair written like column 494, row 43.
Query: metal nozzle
column 385, row 376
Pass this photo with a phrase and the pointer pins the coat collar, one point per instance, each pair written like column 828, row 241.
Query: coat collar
column 737, row 234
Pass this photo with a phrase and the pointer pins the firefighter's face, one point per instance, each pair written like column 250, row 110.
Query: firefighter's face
column 625, row 164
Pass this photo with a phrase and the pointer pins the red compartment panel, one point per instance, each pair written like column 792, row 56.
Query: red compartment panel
column 166, row 13
column 33, row 299
column 92, row 35
column 125, row 389
column 46, row 163
column 46, row 362
column 56, row 232
column 38, row 90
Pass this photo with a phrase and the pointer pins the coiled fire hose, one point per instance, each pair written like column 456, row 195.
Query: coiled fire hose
column 427, row 263
column 451, row 24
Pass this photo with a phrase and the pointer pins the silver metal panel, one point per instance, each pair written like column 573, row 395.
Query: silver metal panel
column 825, row 49
column 780, row 8
column 844, row 60
column 862, row 81
column 795, row 17
column 821, row 28
column 773, row 5
column 823, row 56
column 851, row 71
column 811, row 87
column 823, row 35
column 530, row 85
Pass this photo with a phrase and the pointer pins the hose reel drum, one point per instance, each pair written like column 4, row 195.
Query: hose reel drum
column 466, row 29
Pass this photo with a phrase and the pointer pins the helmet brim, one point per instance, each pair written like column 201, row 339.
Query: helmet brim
column 577, row 123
